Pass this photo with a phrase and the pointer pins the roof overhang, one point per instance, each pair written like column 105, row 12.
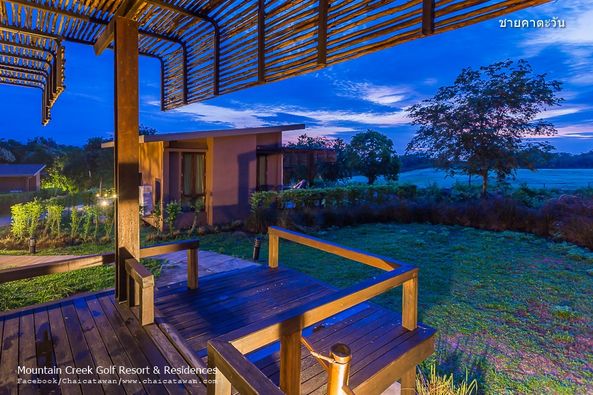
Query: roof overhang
column 28, row 173
column 186, row 136
column 208, row 48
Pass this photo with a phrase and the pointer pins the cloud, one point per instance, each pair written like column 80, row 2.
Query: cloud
column 584, row 131
column 559, row 112
column 319, row 122
column 385, row 95
column 318, row 131
column 236, row 118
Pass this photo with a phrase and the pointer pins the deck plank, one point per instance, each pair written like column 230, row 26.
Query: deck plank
column 80, row 350
column 131, row 382
column 97, row 348
column 10, row 354
column 27, row 352
column 62, row 351
column 45, row 352
column 132, row 348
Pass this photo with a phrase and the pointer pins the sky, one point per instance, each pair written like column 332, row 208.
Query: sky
column 371, row 92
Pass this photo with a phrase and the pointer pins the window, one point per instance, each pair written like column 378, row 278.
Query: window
column 262, row 169
column 192, row 177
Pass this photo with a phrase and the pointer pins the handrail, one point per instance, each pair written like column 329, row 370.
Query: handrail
column 226, row 362
column 88, row 261
column 275, row 233
column 287, row 326
column 265, row 332
column 141, row 290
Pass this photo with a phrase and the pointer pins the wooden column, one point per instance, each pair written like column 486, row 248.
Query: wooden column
column 126, row 150
column 290, row 358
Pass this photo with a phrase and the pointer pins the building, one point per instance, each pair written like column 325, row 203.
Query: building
column 20, row 177
column 216, row 170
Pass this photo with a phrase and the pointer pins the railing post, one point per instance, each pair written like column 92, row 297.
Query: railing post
column 290, row 358
column 218, row 384
column 192, row 268
column 339, row 369
column 273, row 250
column 133, row 291
column 147, row 302
column 410, row 303
column 408, row 382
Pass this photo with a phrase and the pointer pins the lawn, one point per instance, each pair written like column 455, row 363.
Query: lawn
column 565, row 179
column 512, row 309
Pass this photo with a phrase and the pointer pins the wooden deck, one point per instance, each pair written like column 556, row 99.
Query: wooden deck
column 92, row 330
column 229, row 301
column 88, row 331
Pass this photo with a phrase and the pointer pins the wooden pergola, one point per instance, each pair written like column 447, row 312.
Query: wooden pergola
column 208, row 48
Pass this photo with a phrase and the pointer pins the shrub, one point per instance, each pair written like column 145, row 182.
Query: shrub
column 18, row 225
column 75, row 221
column 90, row 222
column 53, row 221
column 173, row 209
column 435, row 384
column 33, row 211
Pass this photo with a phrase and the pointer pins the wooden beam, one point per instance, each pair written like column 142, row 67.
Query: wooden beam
column 427, row 17
column 322, row 32
column 261, row 41
column 126, row 149
column 127, row 9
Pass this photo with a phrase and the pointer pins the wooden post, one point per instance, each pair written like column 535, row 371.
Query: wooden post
column 339, row 370
column 192, row 268
column 290, row 359
column 410, row 304
column 408, row 382
column 273, row 250
column 126, row 150
column 217, row 383
column 147, row 304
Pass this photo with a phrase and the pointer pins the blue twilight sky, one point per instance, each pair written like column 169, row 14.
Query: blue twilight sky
column 369, row 92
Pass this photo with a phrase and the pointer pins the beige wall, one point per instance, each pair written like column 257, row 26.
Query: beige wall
column 232, row 177
column 230, row 171
column 24, row 184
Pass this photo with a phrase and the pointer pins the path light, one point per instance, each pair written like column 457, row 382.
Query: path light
column 32, row 245
column 256, row 248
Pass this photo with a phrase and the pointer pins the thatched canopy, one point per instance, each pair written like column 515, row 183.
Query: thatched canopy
column 212, row 47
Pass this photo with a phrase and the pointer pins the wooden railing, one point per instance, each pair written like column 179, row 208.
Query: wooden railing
column 224, row 353
column 140, row 281
column 85, row 262
column 141, row 290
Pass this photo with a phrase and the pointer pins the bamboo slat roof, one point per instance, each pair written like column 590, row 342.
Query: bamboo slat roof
column 212, row 47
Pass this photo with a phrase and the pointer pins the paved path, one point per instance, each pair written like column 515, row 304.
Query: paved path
column 10, row 261
column 4, row 221
column 174, row 267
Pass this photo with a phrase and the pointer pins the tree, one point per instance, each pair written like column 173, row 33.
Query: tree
column 144, row 130
column 372, row 155
column 328, row 171
column 479, row 125
column 6, row 156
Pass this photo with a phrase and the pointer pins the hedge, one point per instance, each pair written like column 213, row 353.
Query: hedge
column 10, row 199
column 347, row 196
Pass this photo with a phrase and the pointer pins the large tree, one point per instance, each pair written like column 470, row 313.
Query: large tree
column 372, row 155
column 328, row 171
column 481, row 123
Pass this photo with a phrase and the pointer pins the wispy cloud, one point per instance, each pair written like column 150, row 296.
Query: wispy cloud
column 319, row 122
column 560, row 112
column 385, row 95
column 584, row 131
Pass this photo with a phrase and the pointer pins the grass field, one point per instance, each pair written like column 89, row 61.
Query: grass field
column 566, row 179
column 512, row 309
